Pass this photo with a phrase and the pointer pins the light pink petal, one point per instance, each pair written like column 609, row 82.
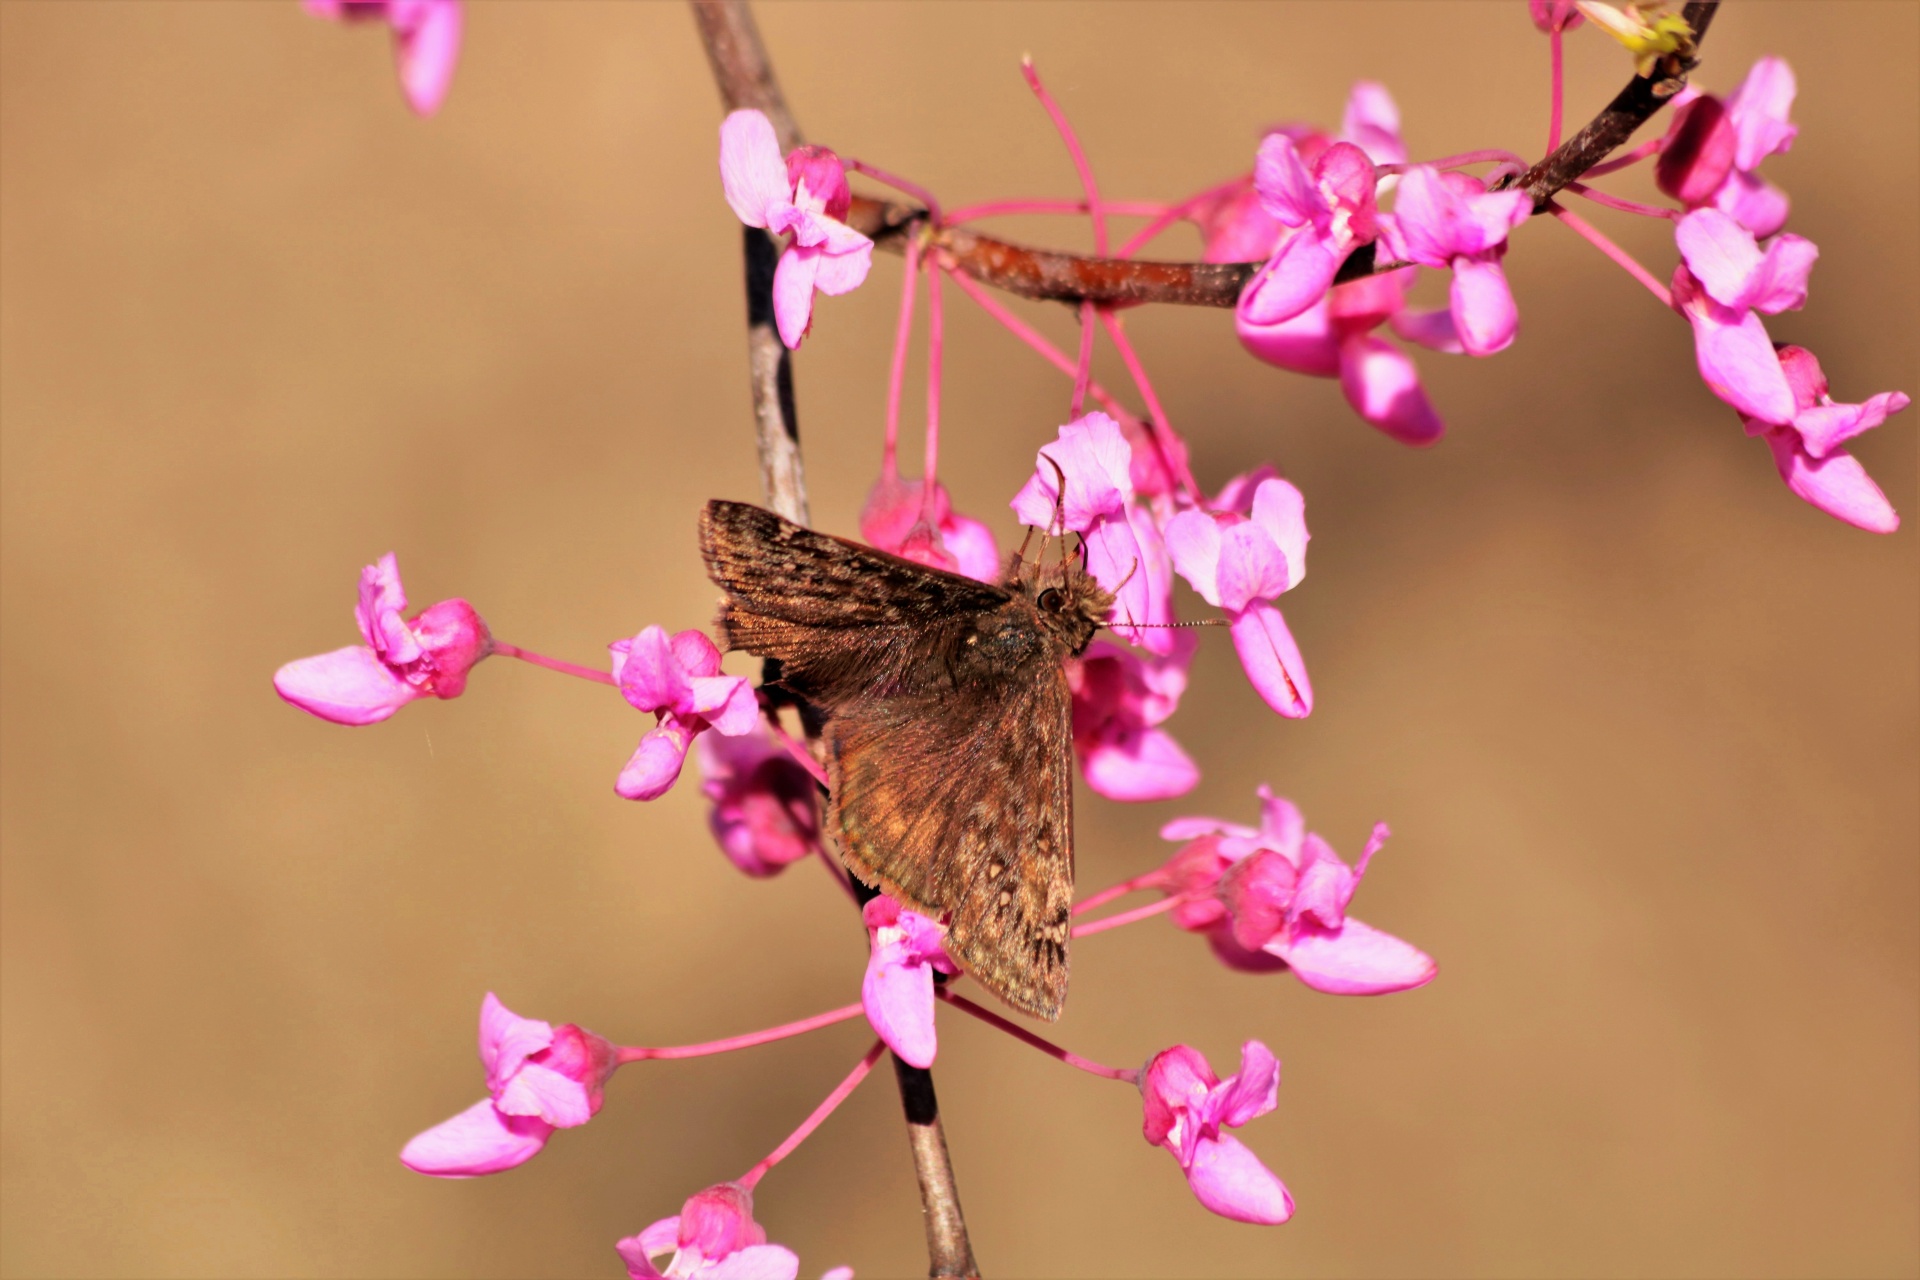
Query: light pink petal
column 1305, row 344
column 1759, row 108
column 1326, row 885
column 1721, row 254
column 1430, row 220
column 1738, row 364
column 1781, row 283
column 1372, row 122
column 507, row 1040
column 1097, row 462
column 478, row 1141
column 1354, row 960
column 1229, row 952
column 899, row 1002
column 837, row 1273
column 638, row 1252
column 538, row 1090
column 1229, row 1179
column 1482, row 305
column 1286, row 188
column 752, row 171
column 1837, row 484
column 650, row 674
column 1299, row 275
column 1251, row 1091
column 728, row 703
column 1282, row 826
column 1383, row 386
column 1193, row 828
column 1194, row 541
column 1754, row 203
column 382, row 600
column 973, row 547
column 755, row 1262
column 1144, row 764
column 1281, row 509
column 1251, row 567
column 1432, row 329
column 793, row 293
column 1272, row 660
column 347, row 686
column 1823, row 427
column 1344, row 173
column 427, row 49
column 842, row 270
column 1238, row 229
column 655, row 764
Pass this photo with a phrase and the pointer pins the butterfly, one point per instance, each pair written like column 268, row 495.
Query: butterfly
column 943, row 707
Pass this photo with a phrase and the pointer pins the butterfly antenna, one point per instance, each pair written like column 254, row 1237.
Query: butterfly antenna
column 1058, row 520
column 1020, row 556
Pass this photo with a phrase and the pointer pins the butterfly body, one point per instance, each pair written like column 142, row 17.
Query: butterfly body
column 946, row 721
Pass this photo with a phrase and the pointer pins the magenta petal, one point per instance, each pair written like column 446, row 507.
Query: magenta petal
column 427, row 48
column 973, row 547
column 1117, row 562
column 1738, row 364
column 638, row 1252
column 1824, row 427
column 1093, row 456
column 841, row 271
column 1229, row 1179
column 793, row 293
column 1837, row 484
column 1759, row 109
column 1482, row 306
column 1781, row 283
column 1253, row 1090
column 1145, row 764
column 1372, row 122
column 1194, row 540
column 1354, row 960
column 1272, row 660
column 1299, row 275
column 1305, row 344
column 899, row 1003
column 1754, row 203
column 728, row 703
column 1286, row 188
column 1281, row 509
column 477, row 1141
column 1432, row 329
column 755, row 1262
column 507, row 1040
column 347, row 686
column 752, row 172
column 1698, row 154
column 1383, row 386
column 537, row 1090
column 1251, row 567
column 650, row 673
column 655, row 764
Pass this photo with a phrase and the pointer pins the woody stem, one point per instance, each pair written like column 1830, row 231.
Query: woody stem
column 744, row 75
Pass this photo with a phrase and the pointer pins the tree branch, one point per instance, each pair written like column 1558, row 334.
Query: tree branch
column 1068, row 277
column 745, row 77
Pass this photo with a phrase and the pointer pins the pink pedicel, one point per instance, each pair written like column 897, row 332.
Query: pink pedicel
column 539, row 1078
column 678, row 679
column 426, row 41
column 1186, row 1108
column 906, row 951
column 805, row 194
column 427, row 656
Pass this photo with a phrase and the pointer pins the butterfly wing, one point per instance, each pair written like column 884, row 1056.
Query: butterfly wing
column 969, row 818
column 844, row 620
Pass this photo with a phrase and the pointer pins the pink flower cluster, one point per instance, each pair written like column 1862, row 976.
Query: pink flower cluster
column 713, row 1237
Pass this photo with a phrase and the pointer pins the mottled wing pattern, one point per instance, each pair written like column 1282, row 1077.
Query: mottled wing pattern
column 842, row 618
column 969, row 818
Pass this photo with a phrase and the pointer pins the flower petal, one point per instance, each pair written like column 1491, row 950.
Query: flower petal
column 1354, row 960
column 1837, row 483
column 1194, row 541
column 1286, row 188
column 507, row 1040
column 755, row 1262
column 1824, row 427
column 842, row 270
column 347, row 686
column 1297, row 276
column 899, row 1002
column 752, row 172
column 655, row 764
column 1229, row 1179
column 1142, row 764
column 537, row 1090
column 477, row 1141
column 1272, row 660
column 1483, row 310
column 793, row 293
column 426, row 49
column 1383, row 386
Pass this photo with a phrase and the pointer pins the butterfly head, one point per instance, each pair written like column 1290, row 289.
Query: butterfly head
column 1071, row 604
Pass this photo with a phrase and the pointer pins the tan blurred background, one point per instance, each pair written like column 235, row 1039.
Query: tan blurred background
column 1644, row 724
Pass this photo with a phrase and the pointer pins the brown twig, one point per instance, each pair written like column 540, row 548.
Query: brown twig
column 1068, row 277
column 745, row 77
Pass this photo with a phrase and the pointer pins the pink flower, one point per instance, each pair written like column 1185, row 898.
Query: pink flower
column 907, row 950
column 805, row 194
column 1724, row 278
column 1331, row 204
column 1186, row 1108
column 1239, row 557
column 1125, row 552
column 679, row 680
column 426, row 41
column 715, row 1237
column 539, row 1078
column 1277, row 898
column 902, row 518
column 1806, row 450
column 1119, row 699
column 1550, row 14
column 1713, row 149
column 764, row 813
column 400, row 661
column 1452, row 220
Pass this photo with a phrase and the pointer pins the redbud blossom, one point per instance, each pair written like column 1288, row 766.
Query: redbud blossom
column 1125, row 552
column 1119, row 699
column 764, row 813
column 1724, row 278
column 1549, row 14
column 907, row 949
column 539, row 1078
column 901, row 517
column 713, row 1237
column 679, row 680
column 1239, row 560
column 1187, row 1106
column 400, row 661
column 426, row 41
column 1806, row 450
column 1713, row 149
column 805, row 194
column 1452, row 220
column 1332, row 204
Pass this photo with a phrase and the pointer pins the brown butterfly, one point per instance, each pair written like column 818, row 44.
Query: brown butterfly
column 947, row 724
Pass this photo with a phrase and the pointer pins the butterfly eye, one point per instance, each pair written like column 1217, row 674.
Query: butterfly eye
column 1051, row 600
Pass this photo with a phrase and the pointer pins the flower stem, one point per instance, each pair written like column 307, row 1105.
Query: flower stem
column 1157, row 424
column 1176, row 212
column 1557, row 55
column 936, row 347
column 552, row 664
column 919, row 193
column 1075, row 151
column 1125, row 917
column 1083, row 371
column 800, row 754
column 827, row 1107
column 1651, row 147
column 638, row 1053
column 897, row 375
column 1606, row 201
column 1045, row 1046
column 1621, row 257
column 1147, row 880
